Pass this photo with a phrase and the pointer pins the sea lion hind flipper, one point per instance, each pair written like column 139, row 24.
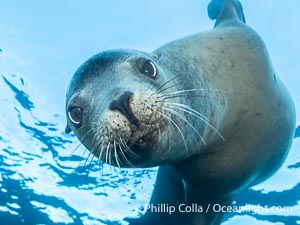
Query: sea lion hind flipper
column 226, row 11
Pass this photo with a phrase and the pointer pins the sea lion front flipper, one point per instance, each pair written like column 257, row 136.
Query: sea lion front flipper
column 226, row 12
column 168, row 193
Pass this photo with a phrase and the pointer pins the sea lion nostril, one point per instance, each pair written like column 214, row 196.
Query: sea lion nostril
column 122, row 105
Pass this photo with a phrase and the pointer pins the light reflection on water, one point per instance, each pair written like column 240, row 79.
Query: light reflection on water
column 42, row 182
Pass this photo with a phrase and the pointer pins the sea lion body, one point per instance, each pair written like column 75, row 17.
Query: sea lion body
column 215, row 116
column 233, row 65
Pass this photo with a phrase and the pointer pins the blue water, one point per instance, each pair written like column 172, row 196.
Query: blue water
column 46, row 177
column 42, row 182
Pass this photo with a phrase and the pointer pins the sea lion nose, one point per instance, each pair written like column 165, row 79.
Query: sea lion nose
column 122, row 105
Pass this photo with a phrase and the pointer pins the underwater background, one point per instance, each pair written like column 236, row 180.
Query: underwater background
column 45, row 178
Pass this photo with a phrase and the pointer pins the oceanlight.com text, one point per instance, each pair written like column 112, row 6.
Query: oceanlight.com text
column 217, row 208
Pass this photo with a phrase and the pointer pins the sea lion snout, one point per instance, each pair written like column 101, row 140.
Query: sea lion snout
column 121, row 104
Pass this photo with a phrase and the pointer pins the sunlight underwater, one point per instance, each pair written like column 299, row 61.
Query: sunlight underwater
column 42, row 181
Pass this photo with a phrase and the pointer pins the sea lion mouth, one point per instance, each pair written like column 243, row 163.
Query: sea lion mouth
column 144, row 140
column 119, row 142
column 150, row 124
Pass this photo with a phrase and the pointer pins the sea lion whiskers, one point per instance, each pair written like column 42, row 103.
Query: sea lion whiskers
column 159, row 132
column 80, row 144
column 91, row 161
column 158, row 90
column 116, row 154
column 109, row 156
column 127, row 161
column 167, row 88
column 183, row 95
column 195, row 113
column 109, row 153
column 83, row 137
column 180, row 116
column 122, row 153
column 99, row 142
column 189, row 90
column 106, row 153
column 101, row 168
column 179, row 130
column 128, row 150
column 101, row 151
column 100, row 162
column 85, row 150
column 92, row 153
column 179, row 92
column 196, row 89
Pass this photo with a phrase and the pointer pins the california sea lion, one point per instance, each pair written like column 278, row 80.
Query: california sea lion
column 208, row 108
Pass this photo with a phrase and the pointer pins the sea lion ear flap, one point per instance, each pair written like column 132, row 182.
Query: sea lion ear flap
column 68, row 129
column 155, row 56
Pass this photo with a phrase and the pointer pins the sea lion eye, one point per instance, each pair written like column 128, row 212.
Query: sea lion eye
column 149, row 69
column 75, row 115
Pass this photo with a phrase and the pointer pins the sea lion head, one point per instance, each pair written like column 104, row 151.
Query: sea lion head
column 115, row 106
